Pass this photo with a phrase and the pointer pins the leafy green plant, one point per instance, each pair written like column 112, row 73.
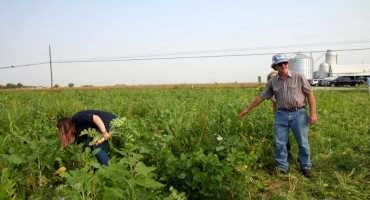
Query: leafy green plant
column 177, row 144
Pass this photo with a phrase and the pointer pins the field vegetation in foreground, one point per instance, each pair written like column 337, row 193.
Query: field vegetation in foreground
column 179, row 143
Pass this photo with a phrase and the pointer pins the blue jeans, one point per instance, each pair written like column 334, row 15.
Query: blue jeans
column 298, row 122
column 102, row 155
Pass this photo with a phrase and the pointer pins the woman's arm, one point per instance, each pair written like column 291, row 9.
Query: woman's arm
column 100, row 124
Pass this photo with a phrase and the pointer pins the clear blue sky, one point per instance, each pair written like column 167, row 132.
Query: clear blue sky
column 111, row 29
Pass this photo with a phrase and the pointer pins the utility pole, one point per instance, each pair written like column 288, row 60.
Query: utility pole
column 51, row 68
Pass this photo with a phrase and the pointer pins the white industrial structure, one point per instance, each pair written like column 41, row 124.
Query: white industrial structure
column 331, row 69
column 323, row 72
column 331, row 57
column 302, row 64
column 326, row 68
column 350, row 70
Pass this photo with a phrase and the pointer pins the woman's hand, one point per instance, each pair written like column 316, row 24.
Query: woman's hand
column 106, row 135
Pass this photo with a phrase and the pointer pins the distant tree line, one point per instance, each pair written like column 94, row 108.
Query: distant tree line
column 20, row 85
column 12, row 85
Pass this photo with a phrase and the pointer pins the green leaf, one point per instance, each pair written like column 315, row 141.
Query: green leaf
column 148, row 183
column 142, row 169
column 113, row 193
column 220, row 148
column 15, row 159
column 181, row 175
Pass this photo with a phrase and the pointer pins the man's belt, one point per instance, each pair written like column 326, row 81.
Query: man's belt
column 294, row 109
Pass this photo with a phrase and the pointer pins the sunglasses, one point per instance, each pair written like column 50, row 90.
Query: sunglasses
column 281, row 64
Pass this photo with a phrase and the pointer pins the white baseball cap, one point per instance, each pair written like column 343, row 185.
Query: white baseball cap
column 277, row 59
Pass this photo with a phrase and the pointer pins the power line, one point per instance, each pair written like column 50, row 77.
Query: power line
column 179, row 57
column 140, row 57
column 205, row 56
column 237, row 49
column 25, row 65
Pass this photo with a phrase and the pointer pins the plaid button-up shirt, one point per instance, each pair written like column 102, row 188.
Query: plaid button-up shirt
column 289, row 93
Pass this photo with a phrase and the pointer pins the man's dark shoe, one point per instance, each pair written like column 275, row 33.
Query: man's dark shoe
column 307, row 173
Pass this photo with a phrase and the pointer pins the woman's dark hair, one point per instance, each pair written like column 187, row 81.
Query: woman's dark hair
column 66, row 129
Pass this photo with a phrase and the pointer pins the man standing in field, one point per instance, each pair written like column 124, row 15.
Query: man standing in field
column 273, row 100
column 290, row 90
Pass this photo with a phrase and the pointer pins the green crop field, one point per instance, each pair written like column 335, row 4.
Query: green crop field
column 179, row 143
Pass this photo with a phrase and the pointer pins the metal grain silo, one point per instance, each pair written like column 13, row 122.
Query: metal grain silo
column 324, row 69
column 302, row 64
column 331, row 57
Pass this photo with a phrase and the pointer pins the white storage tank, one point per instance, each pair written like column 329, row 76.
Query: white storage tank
column 331, row 57
column 302, row 64
column 323, row 70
